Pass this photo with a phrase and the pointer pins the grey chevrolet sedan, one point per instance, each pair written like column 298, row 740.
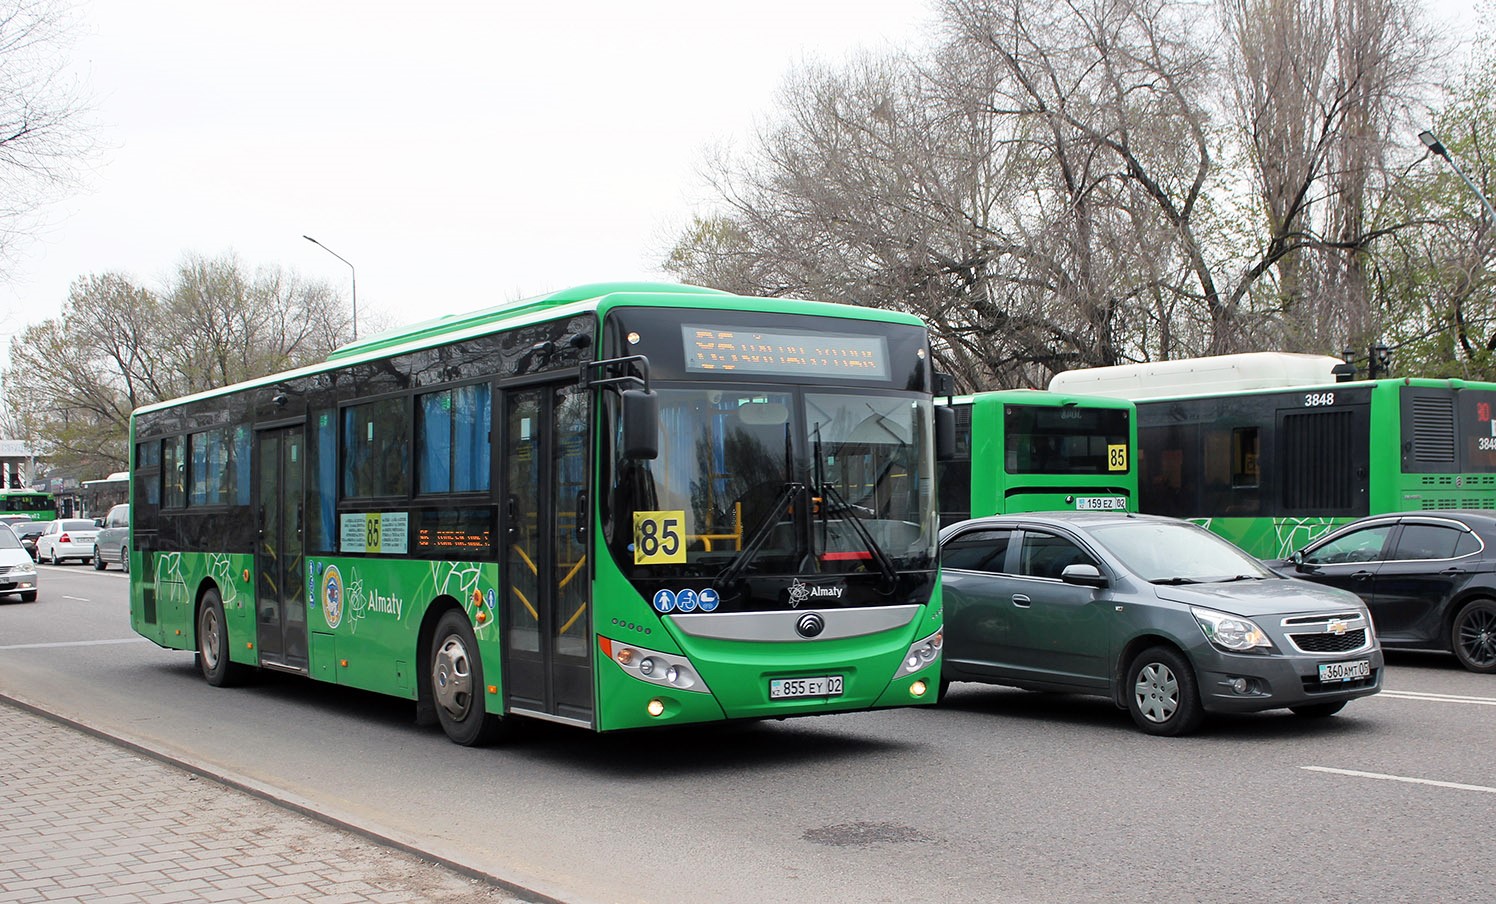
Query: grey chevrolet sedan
column 1163, row 617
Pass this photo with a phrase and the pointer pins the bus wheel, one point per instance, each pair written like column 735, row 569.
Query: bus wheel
column 457, row 688
column 1474, row 636
column 1161, row 693
column 213, row 644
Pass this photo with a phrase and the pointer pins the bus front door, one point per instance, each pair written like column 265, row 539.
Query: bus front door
column 547, row 618
column 280, row 603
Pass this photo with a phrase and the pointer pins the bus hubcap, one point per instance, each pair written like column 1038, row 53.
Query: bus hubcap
column 452, row 677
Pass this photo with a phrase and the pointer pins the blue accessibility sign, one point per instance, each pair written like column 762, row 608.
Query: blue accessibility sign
column 686, row 600
column 664, row 601
column 708, row 599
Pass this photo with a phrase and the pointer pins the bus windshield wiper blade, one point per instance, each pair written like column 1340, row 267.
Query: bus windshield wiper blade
column 885, row 564
column 760, row 534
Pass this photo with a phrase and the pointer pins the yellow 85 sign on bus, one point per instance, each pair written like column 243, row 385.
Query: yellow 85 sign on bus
column 1116, row 457
column 658, row 539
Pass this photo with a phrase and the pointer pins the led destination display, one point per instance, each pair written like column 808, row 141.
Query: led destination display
column 710, row 349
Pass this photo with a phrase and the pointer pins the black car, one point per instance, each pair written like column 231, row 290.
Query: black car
column 27, row 532
column 1428, row 578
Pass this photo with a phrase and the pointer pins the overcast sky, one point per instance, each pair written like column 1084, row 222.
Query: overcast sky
column 459, row 153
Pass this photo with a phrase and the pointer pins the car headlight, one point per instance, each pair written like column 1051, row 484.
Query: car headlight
column 24, row 568
column 1231, row 632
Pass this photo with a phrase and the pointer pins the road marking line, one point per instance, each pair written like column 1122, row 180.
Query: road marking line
column 1438, row 698
column 81, row 599
column 1401, row 778
column 69, row 643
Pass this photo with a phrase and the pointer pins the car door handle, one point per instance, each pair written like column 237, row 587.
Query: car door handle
column 1021, row 601
column 1362, row 575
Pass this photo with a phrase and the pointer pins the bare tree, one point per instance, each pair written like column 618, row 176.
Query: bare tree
column 43, row 135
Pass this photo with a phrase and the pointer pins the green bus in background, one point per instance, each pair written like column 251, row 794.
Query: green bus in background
column 1269, row 451
column 1025, row 450
column 30, row 503
column 615, row 506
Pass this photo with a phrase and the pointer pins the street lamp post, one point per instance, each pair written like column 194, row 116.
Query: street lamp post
column 355, row 279
column 1431, row 141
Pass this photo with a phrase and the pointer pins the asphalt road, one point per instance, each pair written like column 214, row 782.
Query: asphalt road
column 999, row 795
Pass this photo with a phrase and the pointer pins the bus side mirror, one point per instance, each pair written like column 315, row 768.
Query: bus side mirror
column 945, row 433
column 641, row 424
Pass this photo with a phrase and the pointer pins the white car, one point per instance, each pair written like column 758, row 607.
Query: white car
column 67, row 538
column 17, row 571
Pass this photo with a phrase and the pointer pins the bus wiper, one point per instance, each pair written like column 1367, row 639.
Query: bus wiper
column 760, row 534
column 885, row 564
column 1175, row 580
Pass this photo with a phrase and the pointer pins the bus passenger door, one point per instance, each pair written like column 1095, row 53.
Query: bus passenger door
column 280, row 604
column 547, row 618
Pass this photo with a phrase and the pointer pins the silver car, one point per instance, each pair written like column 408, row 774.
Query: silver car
column 1163, row 617
column 67, row 538
column 17, row 571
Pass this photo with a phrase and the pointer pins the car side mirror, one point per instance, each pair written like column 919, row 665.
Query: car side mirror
column 1084, row 575
column 98, row 522
column 1297, row 559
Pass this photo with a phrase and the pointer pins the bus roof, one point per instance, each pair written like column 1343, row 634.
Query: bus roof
column 1196, row 376
column 1040, row 397
column 568, row 302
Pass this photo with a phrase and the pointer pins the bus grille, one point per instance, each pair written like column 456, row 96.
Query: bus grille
column 1433, row 429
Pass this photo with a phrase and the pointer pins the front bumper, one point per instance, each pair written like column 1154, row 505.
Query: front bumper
column 1234, row 683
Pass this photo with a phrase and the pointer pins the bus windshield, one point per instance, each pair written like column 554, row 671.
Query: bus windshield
column 1062, row 439
column 780, row 481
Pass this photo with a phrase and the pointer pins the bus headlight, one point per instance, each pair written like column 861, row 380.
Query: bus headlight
column 921, row 653
column 653, row 666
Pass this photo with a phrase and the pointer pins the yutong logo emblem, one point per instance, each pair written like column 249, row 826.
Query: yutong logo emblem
column 810, row 625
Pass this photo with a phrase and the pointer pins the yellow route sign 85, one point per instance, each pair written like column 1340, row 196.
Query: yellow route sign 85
column 658, row 538
column 1116, row 457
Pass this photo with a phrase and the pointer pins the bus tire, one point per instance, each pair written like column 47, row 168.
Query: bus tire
column 457, row 689
column 213, row 644
column 1473, row 635
column 1162, row 695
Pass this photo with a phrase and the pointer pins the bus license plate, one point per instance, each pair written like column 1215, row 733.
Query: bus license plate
column 825, row 686
column 1100, row 503
column 1335, row 672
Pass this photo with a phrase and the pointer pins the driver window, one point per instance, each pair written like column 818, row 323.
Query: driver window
column 1048, row 555
column 977, row 550
column 1356, row 546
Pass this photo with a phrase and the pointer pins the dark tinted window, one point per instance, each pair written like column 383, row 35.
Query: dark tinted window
column 1064, row 440
column 376, row 449
column 977, row 550
column 1048, row 555
column 1429, row 541
column 1357, row 546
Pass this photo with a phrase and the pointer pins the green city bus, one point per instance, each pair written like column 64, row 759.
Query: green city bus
column 1270, row 467
column 615, row 506
column 30, row 503
column 1026, row 450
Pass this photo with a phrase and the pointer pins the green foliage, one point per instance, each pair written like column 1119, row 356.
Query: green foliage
column 117, row 346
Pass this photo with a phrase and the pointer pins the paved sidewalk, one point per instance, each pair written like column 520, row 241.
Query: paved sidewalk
column 84, row 820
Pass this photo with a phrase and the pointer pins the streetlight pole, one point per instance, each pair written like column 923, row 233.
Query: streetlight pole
column 355, row 279
column 1431, row 141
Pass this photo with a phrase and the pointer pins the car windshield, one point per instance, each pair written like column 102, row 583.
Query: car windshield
column 1174, row 552
column 8, row 540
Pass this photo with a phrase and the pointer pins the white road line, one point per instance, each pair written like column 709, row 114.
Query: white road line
column 81, row 599
column 1401, row 778
column 69, row 643
column 1438, row 698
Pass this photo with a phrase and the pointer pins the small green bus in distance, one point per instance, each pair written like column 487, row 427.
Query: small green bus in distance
column 1026, row 450
column 613, row 507
column 30, row 503
column 1270, row 451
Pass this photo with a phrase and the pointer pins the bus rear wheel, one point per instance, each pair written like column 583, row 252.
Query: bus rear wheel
column 457, row 689
column 213, row 644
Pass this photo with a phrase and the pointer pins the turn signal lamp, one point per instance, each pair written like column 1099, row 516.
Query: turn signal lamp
column 482, row 616
column 246, row 575
column 656, row 707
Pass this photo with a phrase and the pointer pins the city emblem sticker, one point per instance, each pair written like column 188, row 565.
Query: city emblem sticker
column 332, row 596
